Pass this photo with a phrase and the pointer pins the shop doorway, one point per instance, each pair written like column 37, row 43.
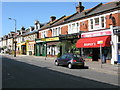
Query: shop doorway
column 23, row 47
column 95, row 54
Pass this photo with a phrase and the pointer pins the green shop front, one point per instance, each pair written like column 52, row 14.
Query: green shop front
column 40, row 47
column 68, row 43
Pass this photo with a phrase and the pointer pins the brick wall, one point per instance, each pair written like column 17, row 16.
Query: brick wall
column 84, row 26
column 116, row 19
column 64, row 30
column 49, row 33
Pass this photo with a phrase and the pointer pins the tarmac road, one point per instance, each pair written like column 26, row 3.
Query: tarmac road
column 27, row 72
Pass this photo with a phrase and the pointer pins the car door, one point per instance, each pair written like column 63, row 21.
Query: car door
column 69, row 57
column 62, row 59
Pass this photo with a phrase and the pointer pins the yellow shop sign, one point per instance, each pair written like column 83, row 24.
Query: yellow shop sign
column 52, row 39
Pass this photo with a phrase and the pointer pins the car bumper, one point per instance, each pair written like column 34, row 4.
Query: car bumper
column 78, row 64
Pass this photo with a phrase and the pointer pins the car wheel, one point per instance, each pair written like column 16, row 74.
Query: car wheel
column 69, row 65
column 56, row 63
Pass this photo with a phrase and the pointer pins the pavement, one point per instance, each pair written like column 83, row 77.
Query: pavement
column 94, row 65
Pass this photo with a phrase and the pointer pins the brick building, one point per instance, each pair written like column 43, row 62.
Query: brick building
column 89, row 26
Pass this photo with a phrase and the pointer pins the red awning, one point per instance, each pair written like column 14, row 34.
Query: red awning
column 93, row 42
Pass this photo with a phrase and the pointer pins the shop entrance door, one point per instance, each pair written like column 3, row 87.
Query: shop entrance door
column 37, row 50
column 95, row 53
column 23, row 49
column 43, row 50
column 118, row 52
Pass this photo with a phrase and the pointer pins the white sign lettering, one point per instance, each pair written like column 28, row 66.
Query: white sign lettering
column 89, row 44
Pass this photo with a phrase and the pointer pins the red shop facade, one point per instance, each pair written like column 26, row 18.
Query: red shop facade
column 90, row 43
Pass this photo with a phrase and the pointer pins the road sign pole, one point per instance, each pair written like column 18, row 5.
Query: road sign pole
column 101, row 54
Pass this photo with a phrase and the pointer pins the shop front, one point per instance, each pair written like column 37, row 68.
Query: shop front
column 47, row 47
column 52, row 48
column 40, row 47
column 18, row 50
column 23, row 48
column 68, row 43
column 96, row 45
column 30, row 49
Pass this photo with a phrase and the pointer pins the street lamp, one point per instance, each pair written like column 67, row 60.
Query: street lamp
column 14, row 36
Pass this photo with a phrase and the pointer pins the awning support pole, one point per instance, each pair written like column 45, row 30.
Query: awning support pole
column 101, row 54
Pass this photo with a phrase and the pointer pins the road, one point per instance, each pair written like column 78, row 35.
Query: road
column 31, row 72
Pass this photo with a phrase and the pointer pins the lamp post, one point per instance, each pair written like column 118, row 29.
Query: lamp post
column 14, row 36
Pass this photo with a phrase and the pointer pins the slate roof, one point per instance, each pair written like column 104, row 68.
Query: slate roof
column 49, row 24
column 97, row 9
column 32, row 32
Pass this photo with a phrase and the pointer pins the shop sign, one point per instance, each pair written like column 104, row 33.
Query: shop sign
column 97, row 33
column 99, row 42
column 39, row 41
column 89, row 44
column 31, row 43
column 69, row 37
column 52, row 39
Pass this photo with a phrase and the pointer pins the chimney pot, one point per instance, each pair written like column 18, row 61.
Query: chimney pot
column 52, row 18
column 79, row 8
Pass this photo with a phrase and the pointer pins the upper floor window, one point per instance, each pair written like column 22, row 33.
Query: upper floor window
column 73, row 28
column 102, row 22
column 77, row 27
column 56, row 31
column 91, row 23
column 96, row 21
column 44, row 34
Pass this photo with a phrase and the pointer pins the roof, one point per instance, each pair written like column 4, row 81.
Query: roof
column 97, row 9
column 32, row 32
column 51, row 23
column 60, row 20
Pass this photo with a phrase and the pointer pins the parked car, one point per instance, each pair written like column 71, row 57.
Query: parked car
column 70, row 60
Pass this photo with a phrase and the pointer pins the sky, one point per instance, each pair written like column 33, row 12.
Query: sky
column 26, row 13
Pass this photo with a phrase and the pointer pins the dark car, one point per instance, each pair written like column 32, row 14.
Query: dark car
column 70, row 60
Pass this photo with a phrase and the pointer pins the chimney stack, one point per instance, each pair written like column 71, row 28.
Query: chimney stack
column 30, row 28
column 52, row 18
column 37, row 25
column 22, row 28
column 79, row 8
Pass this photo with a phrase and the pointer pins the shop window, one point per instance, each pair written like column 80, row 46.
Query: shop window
column 96, row 21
